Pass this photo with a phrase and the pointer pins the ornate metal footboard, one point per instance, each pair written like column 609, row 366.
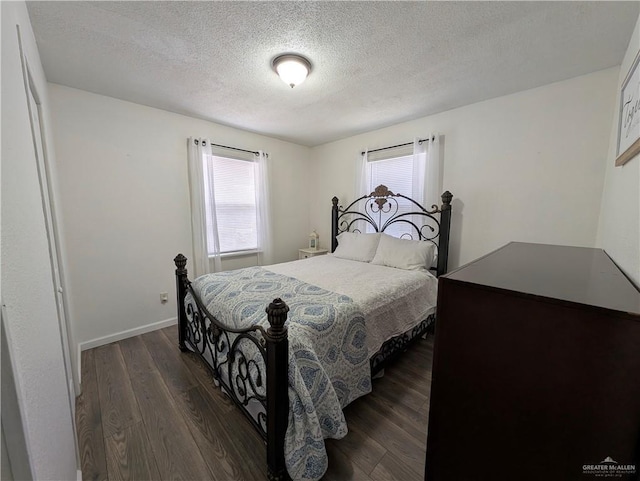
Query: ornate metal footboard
column 251, row 365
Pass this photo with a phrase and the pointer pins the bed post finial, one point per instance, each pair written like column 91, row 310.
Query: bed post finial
column 180, row 261
column 181, row 291
column 277, row 316
column 446, row 200
column 277, row 388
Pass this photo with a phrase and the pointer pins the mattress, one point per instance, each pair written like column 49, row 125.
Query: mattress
column 392, row 300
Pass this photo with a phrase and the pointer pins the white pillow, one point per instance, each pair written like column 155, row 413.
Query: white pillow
column 404, row 253
column 356, row 246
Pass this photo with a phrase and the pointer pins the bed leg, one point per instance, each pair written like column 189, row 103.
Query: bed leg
column 277, row 389
column 181, row 291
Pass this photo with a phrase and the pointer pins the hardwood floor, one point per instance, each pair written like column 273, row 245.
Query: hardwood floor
column 150, row 412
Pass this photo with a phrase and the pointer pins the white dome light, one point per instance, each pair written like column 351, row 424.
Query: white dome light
column 292, row 69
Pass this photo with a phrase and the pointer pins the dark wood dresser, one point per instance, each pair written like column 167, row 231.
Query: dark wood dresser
column 536, row 372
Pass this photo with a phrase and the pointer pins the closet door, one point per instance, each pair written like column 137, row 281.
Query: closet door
column 48, row 208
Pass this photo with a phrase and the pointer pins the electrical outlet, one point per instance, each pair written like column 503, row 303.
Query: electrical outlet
column 164, row 297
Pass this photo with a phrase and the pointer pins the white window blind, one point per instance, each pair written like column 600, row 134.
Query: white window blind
column 235, row 201
column 396, row 173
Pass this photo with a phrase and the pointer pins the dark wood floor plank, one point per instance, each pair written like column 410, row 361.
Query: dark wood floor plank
column 130, row 457
column 404, row 417
column 390, row 468
column 220, row 443
column 360, row 448
column 390, row 387
column 416, row 371
column 89, row 423
column 137, row 364
column 424, row 413
column 198, row 368
column 418, row 383
column 168, row 360
column 118, row 404
column 172, row 333
column 415, row 363
column 341, row 468
column 176, row 453
column 367, row 419
column 419, row 358
column 422, row 357
column 418, row 380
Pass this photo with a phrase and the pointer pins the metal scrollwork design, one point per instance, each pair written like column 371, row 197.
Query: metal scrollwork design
column 247, row 373
column 194, row 324
column 384, row 210
column 236, row 358
column 262, row 421
column 217, row 348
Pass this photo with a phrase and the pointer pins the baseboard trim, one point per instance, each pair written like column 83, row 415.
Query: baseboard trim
column 79, row 475
column 118, row 336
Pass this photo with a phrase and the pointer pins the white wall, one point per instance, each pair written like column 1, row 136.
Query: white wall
column 619, row 227
column 27, row 286
column 125, row 200
column 524, row 167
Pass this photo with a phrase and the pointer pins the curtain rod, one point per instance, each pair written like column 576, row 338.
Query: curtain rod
column 394, row 146
column 236, row 148
column 254, row 152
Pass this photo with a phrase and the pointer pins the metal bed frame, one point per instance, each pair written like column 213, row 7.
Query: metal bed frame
column 243, row 378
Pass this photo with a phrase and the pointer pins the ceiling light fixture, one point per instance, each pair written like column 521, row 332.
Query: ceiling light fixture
column 292, row 69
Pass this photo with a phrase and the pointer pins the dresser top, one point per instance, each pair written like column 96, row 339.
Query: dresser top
column 574, row 274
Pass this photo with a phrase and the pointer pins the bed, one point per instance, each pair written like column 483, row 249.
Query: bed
column 292, row 344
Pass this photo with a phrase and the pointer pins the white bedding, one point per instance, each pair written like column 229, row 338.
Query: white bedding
column 392, row 300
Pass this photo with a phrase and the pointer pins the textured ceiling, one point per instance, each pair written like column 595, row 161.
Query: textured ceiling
column 374, row 63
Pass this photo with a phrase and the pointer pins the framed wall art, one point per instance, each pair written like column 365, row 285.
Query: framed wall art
column 628, row 141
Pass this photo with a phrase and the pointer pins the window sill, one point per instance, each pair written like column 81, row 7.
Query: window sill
column 229, row 255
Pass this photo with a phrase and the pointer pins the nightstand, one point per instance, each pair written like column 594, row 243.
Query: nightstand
column 306, row 253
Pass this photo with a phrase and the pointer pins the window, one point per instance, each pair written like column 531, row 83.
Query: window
column 229, row 204
column 235, row 204
column 397, row 174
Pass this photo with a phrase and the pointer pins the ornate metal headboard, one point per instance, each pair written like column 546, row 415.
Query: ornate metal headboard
column 382, row 210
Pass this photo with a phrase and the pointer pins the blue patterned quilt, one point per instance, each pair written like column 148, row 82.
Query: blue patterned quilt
column 328, row 357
